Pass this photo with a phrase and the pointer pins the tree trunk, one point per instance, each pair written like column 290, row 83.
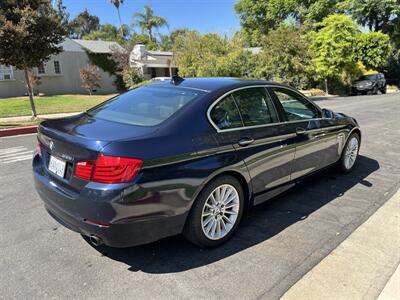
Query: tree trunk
column 120, row 23
column 30, row 93
column 326, row 86
column 150, row 35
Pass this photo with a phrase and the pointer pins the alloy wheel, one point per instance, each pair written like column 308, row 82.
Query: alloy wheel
column 220, row 212
column 351, row 153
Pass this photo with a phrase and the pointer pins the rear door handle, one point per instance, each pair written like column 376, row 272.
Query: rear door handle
column 300, row 131
column 245, row 141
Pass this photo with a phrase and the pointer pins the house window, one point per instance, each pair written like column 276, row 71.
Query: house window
column 41, row 69
column 6, row 73
column 57, row 67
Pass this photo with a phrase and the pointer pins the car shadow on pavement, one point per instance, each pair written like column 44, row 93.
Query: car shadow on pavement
column 175, row 254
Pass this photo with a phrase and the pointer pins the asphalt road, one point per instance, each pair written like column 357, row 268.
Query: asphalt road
column 277, row 243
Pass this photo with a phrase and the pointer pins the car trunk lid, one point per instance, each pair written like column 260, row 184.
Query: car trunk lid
column 81, row 137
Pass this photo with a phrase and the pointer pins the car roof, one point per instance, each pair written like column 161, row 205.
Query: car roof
column 211, row 84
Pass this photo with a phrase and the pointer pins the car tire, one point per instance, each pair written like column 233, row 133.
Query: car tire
column 216, row 212
column 349, row 155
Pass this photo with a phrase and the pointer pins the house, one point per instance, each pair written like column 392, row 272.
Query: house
column 152, row 63
column 60, row 75
column 160, row 63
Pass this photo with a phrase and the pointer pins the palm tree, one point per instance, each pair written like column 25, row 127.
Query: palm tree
column 147, row 21
column 117, row 4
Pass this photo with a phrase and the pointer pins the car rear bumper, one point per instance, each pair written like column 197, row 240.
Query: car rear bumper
column 118, row 225
column 362, row 89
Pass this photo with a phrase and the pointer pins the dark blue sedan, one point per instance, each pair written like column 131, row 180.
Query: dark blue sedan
column 187, row 156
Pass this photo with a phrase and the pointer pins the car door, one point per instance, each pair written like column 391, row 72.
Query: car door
column 268, row 154
column 315, row 137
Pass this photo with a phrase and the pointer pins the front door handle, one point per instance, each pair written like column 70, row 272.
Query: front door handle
column 300, row 131
column 245, row 141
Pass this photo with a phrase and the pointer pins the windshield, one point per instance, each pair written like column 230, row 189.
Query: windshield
column 145, row 106
column 368, row 77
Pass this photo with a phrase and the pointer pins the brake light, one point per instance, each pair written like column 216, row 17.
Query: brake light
column 108, row 169
column 84, row 169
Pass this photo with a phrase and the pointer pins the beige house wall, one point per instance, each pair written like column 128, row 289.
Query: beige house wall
column 68, row 82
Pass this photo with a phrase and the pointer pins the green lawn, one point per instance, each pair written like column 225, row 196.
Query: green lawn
column 19, row 106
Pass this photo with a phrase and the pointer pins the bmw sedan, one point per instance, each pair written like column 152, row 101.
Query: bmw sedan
column 184, row 156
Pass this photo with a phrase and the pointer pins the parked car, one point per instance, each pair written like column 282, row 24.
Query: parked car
column 161, row 79
column 369, row 84
column 187, row 156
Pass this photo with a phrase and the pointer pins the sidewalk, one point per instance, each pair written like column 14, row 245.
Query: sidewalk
column 28, row 118
column 363, row 266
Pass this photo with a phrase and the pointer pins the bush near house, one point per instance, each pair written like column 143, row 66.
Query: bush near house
column 90, row 78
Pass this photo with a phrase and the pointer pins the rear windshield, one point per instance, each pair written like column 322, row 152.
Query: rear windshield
column 368, row 77
column 145, row 106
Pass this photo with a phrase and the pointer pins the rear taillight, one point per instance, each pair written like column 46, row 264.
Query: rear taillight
column 84, row 169
column 108, row 169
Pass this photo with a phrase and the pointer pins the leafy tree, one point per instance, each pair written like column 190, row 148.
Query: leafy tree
column 195, row 55
column 131, row 77
column 373, row 49
column 30, row 32
column 165, row 42
column 90, row 78
column 144, row 39
column 117, row 4
column 377, row 15
column 109, row 32
column 84, row 24
column 211, row 55
column 129, row 74
column 34, row 80
column 315, row 10
column 285, row 57
column 175, row 33
column 147, row 21
column 258, row 17
column 333, row 47
column 62, row 13
column 393, row 67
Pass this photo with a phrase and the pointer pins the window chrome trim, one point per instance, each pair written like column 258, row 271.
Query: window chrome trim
column 258, row 126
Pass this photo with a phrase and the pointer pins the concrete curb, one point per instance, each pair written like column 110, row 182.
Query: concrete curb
column 18, row 131
column 361, row 266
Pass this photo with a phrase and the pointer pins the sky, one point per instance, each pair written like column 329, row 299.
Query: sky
column 203, row 15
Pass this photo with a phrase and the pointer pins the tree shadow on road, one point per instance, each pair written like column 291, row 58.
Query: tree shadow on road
column 175, row 254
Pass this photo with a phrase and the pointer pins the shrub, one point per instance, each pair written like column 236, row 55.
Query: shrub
column 90, row 78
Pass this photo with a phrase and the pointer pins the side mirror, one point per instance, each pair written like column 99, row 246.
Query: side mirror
column 327, row 114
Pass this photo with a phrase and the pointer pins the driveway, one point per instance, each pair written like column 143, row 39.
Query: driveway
column 277, row 243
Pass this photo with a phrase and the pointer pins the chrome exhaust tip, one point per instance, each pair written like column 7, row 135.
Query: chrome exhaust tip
column 95, row 240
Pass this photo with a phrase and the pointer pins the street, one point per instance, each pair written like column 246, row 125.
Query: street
column 277, row 243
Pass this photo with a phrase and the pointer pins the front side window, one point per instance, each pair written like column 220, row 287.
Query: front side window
column 225, row 114
column 255, row 106
column 294, row 105
column 57, row 67
column 6, row 72
column 145, row 106
column 41, row 69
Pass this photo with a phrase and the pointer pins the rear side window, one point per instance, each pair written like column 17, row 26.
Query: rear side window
column 295, row 106
column 145, row 106
column 225, row 114
column 255, row 106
